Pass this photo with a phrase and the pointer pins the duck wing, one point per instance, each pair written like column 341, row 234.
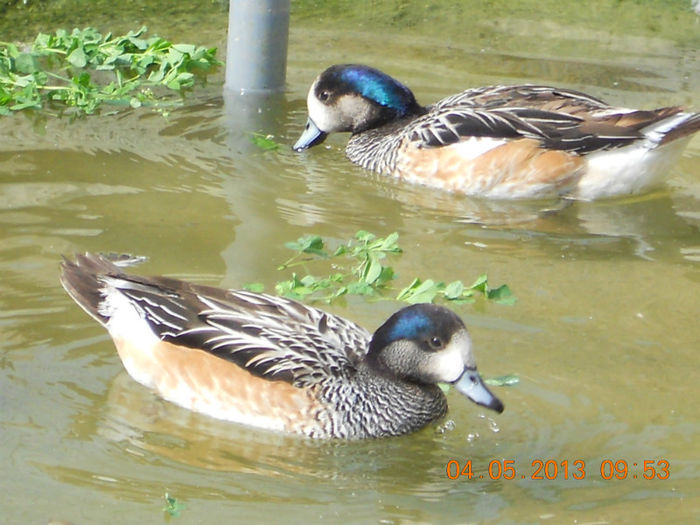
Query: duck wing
column 275, row 338
column 559, row 119
column 272, row 337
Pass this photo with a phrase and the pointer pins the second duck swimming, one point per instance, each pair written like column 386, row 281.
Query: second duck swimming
column 503, row 142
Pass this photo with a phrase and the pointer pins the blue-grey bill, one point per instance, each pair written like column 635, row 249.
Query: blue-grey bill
column 310, row 137
column 471, row 385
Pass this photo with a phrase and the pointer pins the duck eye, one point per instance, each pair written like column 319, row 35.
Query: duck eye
column 435, row 342
column 323, row 96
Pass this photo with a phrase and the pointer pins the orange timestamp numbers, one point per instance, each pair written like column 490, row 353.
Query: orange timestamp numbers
column 566, row 469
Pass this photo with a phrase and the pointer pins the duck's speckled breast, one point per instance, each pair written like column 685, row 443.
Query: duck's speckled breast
column 370, row 405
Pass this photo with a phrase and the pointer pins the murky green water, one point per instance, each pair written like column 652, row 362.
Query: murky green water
column 604, row 337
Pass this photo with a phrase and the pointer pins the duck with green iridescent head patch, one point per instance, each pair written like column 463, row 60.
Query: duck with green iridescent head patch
column 501, row 142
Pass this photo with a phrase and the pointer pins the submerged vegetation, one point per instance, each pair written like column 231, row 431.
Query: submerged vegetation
column 357, row 267
column 84, row 69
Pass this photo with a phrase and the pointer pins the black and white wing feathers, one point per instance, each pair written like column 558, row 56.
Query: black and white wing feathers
column 559, row 119
column 272, row 337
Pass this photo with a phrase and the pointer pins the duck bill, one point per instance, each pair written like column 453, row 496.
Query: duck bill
column 310, row 137
column 471, row 385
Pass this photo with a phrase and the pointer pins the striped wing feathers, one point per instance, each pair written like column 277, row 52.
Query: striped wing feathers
column 271, row 337
column 559, row 119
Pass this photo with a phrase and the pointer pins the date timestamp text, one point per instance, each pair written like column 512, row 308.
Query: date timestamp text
column 566, row 469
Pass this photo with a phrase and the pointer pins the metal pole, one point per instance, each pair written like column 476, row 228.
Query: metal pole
column 256, row 58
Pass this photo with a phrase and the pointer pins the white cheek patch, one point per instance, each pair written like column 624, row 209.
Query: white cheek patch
column 319, row 113
column 344, row 114
column 448, row 365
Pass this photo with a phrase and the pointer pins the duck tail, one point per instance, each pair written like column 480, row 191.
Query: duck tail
column 84, row 279
column 678, row 126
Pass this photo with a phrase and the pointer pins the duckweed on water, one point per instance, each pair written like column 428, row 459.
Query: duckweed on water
column 84, row 69
column 359, row 269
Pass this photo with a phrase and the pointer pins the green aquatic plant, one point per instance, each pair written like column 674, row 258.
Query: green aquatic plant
column 506, row 380
column 427, row 291
column 264, row 142
column 84, row 69
column 172, row 507
column 358, row 268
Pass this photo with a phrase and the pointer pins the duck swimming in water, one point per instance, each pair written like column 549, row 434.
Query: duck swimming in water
column 275, row 363
column 502, row 142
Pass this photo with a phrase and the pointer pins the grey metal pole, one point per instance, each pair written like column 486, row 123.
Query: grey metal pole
column 256, row 58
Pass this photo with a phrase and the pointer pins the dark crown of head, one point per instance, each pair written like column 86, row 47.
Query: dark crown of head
column 417, row 322
column 373, row 85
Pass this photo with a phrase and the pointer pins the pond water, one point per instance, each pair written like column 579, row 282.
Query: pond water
column 604, row 337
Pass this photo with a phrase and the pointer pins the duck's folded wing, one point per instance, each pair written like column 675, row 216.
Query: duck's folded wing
column 272, row 337
column 559, row 119
column 547, row 98
column 553, row 130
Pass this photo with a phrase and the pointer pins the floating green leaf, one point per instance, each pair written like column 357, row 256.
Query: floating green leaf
column 502, row 295
column 454, row 290
column 77, row 58
column 264, row 142
column 419, row 291
column 372, row 269
column 172, row 506
column 254, row 287
column 26, row 63
column 481, row 284
column 506, row 380
column 311, row 244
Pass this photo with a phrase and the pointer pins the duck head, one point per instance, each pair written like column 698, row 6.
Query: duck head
column 429, row 344
column 353, row 98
